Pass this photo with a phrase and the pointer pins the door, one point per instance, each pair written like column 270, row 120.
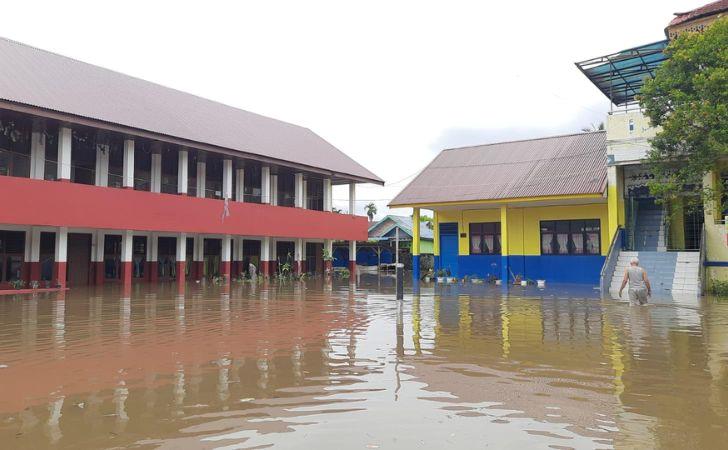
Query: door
column 79, row 259
column 449, row 247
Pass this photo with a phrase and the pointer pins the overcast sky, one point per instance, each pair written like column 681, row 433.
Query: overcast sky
column 390, row 83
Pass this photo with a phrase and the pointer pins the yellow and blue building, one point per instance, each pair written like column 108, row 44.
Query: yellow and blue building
column 532, row 209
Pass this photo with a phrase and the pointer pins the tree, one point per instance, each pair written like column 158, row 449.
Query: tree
column 427, row 220
column 688, row 99
column 593, row 127
column 371, row 210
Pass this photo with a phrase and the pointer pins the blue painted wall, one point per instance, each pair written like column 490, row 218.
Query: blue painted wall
column 481, row 266
column 553, row 269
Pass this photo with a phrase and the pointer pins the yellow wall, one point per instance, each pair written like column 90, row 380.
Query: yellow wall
column 524, row 232
column 716, row 248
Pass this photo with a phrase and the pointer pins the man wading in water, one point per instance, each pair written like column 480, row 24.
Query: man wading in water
column 639, row 285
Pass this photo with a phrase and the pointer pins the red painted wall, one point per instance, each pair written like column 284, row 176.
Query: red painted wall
column 50, row 203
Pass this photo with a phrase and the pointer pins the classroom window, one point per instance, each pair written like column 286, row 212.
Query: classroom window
column 570, row 237
column 485, row 238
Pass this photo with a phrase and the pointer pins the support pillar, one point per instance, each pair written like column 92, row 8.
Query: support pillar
column 61, row 255
column 328, row 202
column 128, row 182
column 416, row 244
column 265, row 257
column 97, row 257
column 33, row 254
column 181, row 259
column 156, row 173
column 298, row 190
column 615, row 202
column 274, row 190
column 102, row 165
column 298, row 256
column 182, row 172
column 240, row 184
column 265, row 185
column 65, row 143
column 352, row 199
column 127, row 239
column 504, row 246
column 153, row 257
column 198, row 257
column 352, row 257
column 304, row 205
column 436, row 239
column 225, row 258
column 227, row 179
column 37, row 151
column 328, row 260
column 201, row 174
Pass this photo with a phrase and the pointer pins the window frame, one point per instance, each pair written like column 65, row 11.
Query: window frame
column 572, row 227
column 484, row 229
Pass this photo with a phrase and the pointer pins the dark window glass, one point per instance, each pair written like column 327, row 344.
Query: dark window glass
column 570, row 237
column 485, row 238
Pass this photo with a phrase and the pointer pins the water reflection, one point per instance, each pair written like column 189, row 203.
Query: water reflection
column 336, row 365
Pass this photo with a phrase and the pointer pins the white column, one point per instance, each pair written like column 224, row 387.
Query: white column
column 201, row 172
column 61, row 253
column 34, row 253
column 227, row 178
column 352, row 251
column 236, row 249
column 153, row 247
column 198, row 250
column 127, row 240
column 65, row 142
column 97, row 252
column 240, row 184
column 156, row 176
column 181, row 254
column 305, row 194
column 265, row 249
column 128, row 164
column 239, row 245
column 265, row 184
column 298, row 190
column 37, row 152
column 329, row 247
column 182, row 169
column 352, row 198
column 298, row 251
column 274, row 190
column 328, row 203
column 102, row 165
column 225, row 253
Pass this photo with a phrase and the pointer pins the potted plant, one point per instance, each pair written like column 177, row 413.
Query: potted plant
column 441, row 276
column 428, row 276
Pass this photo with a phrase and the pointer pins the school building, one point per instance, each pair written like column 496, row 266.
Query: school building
column 106, row 177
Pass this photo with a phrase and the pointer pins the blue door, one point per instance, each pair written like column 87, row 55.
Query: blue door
column 449, row 247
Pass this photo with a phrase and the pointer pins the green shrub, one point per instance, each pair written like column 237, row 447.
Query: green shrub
column 719, row 288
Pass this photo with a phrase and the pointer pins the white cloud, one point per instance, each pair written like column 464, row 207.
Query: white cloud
column 389, row 83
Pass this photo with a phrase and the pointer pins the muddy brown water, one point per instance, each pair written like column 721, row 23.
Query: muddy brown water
column 325, row 365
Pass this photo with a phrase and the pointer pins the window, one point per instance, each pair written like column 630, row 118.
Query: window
column 630, row 125
column 485, row 238
column 570, row 237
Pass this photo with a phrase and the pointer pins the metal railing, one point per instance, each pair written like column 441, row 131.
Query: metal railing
column 701, row 267
column 610, row 263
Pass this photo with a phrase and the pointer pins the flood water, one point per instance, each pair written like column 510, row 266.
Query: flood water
column 324, row 365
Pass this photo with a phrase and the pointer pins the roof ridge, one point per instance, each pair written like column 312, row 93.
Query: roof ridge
column 23, row 44
column 524, row 140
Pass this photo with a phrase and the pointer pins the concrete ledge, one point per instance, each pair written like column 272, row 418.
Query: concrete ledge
column 30, row 291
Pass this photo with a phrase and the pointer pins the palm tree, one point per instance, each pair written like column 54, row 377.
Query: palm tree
column 593, row 127
column 371, row 210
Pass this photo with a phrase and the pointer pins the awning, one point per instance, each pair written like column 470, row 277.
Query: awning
column 620, row 76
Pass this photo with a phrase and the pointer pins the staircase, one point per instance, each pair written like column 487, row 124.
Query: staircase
column 649, row 230
column 671, row 274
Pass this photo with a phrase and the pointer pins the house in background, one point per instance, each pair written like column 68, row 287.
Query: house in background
column 381, row 246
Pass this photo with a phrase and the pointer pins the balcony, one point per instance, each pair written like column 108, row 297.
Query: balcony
column 51, row 203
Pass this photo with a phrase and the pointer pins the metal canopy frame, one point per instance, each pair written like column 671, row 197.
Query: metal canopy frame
column 620, row 76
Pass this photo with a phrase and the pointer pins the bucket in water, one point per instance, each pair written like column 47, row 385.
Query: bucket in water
column 541, row 283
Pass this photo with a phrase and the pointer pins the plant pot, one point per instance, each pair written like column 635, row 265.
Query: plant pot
column 427, row 279
column 498, row 282
column 524, row 283
column 541, row 283
column 476, row 281
column 451, row 279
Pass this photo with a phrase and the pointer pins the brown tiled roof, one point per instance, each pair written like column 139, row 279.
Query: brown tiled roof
column 559, row 165
column 705, row 10
column 38, row 78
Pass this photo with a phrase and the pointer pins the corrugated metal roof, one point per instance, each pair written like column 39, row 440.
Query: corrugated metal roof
column 388, row 223
column 39, row 78
column 559, row 165
column 705, row 10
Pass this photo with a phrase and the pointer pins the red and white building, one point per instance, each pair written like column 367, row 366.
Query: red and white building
column 105, row 177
